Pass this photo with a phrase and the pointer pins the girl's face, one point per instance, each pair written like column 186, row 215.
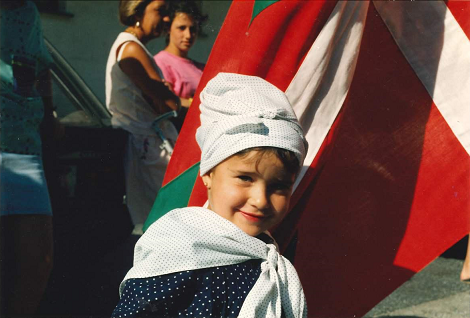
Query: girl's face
column 153, row 19
column 253, row 194
column 183, row 32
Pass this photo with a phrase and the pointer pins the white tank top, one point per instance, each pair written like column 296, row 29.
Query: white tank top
column 124, row 99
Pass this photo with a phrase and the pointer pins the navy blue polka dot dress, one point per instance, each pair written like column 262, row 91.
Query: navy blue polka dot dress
column 208, row 292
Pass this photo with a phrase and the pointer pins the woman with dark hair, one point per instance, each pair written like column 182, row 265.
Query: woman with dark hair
column 136, row 95
column 178, row 69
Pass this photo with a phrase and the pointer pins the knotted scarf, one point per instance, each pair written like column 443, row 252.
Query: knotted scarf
column 194, row 238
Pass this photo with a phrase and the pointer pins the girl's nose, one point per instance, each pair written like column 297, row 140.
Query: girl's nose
column 259, row 197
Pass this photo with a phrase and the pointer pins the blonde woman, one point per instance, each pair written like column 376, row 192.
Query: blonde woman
column 136, row 95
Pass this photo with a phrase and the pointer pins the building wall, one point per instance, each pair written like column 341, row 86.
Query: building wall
column 86, row 37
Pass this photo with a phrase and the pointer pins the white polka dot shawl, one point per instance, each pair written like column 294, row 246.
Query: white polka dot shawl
column 194, row 238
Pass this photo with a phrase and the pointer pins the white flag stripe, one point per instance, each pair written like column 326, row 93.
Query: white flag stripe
column 439, row 52
column 318, row 89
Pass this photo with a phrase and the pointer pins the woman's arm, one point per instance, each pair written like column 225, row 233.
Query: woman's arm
column 185, row 102
column 136, row 64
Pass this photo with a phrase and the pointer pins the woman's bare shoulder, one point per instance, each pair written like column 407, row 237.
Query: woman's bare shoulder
column 133, row 49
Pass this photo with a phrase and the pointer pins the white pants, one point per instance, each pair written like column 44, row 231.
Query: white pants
column 145, row 165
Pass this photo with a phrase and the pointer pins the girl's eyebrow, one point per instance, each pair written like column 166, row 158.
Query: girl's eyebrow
column 286, row 180
column 242, row 171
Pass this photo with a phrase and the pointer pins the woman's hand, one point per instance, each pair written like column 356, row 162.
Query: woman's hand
column 186, row 102
column 169, row 85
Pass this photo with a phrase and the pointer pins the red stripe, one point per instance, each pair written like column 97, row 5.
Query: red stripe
column 461, row 11
column 380, row 197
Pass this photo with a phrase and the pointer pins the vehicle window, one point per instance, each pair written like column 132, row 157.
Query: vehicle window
column 68, row 107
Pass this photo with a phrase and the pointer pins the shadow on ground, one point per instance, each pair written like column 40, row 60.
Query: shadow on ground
column 457, row 251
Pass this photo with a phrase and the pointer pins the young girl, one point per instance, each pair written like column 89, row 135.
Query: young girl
column 218, row 261
column 177, row 68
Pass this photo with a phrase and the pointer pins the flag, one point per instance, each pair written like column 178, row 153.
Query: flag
column 382, row 90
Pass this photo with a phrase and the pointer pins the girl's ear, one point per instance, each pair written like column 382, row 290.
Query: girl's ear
column 207, row 179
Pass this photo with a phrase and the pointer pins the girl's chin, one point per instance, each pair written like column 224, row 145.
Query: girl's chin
column 252, row 231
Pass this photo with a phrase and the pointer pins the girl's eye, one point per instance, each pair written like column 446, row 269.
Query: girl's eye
column 245, row 178
column 280, row 187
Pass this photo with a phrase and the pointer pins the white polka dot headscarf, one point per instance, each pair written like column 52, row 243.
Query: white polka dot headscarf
column 240, row 112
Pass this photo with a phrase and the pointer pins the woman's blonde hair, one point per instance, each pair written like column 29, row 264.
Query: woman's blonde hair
column 131, row 10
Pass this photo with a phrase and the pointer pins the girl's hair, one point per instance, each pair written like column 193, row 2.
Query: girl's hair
column 188, row 7
column 130, row 10
column 288, row 158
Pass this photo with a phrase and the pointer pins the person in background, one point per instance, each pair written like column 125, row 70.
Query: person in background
column 136, row 96
column 26, row 252
column 177, row 68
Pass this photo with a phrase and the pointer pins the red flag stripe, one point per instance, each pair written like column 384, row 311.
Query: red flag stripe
column 317, row 92
column 439, row 52
column 461, row 11
column 379, row 210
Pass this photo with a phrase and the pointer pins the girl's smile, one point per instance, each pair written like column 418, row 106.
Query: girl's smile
column 253, row 217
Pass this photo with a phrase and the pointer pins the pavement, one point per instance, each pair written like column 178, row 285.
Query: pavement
column 434, row 292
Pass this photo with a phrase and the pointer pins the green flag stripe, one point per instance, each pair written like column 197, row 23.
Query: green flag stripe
column 260, row 6
column 175, row 194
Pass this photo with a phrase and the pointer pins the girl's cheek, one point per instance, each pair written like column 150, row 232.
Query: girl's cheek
column 281, row 203
column 233, row 193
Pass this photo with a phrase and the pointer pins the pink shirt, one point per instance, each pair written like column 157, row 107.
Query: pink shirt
column 184, row 74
